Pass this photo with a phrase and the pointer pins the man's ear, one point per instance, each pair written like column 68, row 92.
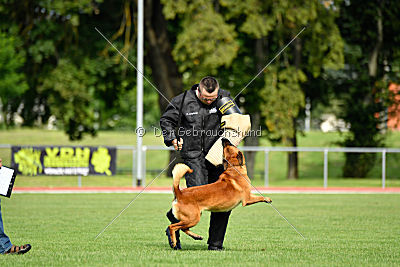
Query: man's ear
column 240, row 158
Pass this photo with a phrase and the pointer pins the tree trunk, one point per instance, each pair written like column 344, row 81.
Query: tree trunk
column 373, row 59
column 293, row 167
column 252, row 140
column 165, row 74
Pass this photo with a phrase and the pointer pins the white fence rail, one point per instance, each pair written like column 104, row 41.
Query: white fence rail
column 266, row 150
column 325, row 151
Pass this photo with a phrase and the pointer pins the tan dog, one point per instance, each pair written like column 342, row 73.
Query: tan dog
column 232, row 187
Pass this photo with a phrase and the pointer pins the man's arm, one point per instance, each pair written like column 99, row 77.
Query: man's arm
column 169, row 120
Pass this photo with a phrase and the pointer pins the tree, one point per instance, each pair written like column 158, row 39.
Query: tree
column 203, row 43
column 233, row 39
column 372, row 39
column 68, row 64
column 12, row 82
column 271, row 25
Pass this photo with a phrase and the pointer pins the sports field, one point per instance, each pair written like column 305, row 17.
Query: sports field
column 340, row 230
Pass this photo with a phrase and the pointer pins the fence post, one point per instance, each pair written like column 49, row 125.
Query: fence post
column 144, row 148
column 383, row 168
column 266, row 168
column 79, row 181
column 133, row 167
column 325, row 168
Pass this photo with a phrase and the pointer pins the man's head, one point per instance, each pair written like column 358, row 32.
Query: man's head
column 208, row 90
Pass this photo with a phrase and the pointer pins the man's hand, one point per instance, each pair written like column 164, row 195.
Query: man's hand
column 1, row 163
column 177, row 145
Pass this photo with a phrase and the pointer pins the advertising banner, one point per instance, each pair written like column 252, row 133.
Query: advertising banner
column 64, row 160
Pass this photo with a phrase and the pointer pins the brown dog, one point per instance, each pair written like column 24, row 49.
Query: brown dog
column 232, row 187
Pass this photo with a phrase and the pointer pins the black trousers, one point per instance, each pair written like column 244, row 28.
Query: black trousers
column 206, row 173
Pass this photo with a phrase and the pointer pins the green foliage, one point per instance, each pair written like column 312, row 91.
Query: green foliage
column 283, row 99
column 364, row 91
column 71, row 94
column 324, row 47
column 360, row 100
column 173, row 8
column 54, row 62
column 12, row 80
column 206, row 42
column 281, row 94
column 261, row 29
column 257, row 22
column 67, row 64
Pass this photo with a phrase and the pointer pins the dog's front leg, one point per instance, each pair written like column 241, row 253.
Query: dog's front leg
column 251, row 199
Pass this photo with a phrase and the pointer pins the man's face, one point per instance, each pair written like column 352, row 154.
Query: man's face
column 206, row 97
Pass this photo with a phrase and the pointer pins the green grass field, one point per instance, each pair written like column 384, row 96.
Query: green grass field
column 340, row 230
column 310, row 163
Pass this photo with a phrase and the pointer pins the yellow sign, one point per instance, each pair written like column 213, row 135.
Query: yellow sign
column 28, row 160
column 59, row 160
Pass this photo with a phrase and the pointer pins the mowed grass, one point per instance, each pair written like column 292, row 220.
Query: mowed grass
column 340, row 230
column 310, row 163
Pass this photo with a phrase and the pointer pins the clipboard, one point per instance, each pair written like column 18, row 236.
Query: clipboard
column 7, row 179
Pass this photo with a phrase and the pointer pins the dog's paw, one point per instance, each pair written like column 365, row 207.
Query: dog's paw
column 198, row 237
column 268, row 200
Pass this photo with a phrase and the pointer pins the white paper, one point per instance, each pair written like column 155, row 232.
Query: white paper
column 6, row 175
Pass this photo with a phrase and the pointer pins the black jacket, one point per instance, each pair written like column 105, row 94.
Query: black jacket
column 200, row 123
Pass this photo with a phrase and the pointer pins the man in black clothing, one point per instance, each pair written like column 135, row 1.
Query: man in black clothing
column 199, row 125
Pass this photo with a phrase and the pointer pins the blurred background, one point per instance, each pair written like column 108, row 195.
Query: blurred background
column 337, row 84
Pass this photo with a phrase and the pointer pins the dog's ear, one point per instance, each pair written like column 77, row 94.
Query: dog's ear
column 240, row 158
column 226, row 164
column 226, row 142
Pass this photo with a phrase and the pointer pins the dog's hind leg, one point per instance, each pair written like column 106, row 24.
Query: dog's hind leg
column 171, row 232
column 184, row 226
column 191, row 222
column 192, row 235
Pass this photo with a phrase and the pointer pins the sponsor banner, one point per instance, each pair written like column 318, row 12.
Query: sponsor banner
column 64, row 160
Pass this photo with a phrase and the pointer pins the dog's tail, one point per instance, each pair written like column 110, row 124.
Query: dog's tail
column 178, row 172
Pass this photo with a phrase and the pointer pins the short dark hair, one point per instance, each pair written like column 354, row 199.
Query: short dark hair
column 209, row 84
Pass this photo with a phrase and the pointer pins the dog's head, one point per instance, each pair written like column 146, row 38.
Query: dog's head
column 232, row 155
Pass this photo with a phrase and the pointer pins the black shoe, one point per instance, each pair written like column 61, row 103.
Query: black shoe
column 19, row 249
column 178, row 242
column 215, row 248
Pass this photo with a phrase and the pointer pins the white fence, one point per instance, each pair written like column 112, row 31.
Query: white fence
column 266, row 150
column 325, row 151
